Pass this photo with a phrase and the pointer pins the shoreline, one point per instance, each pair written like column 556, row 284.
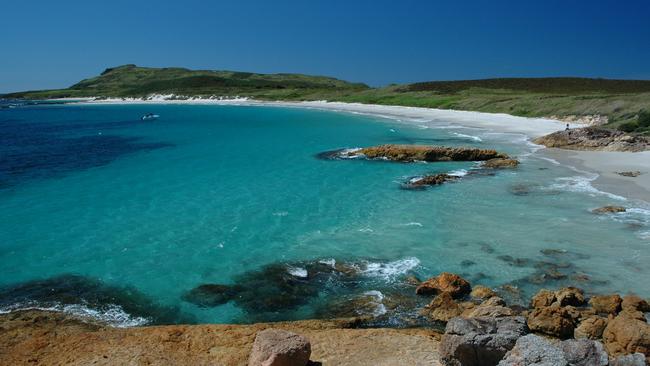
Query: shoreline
column 603, row 163
column 607, row 164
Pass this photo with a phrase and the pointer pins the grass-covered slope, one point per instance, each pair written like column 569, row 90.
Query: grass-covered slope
column 621, row 101
column 134, row 81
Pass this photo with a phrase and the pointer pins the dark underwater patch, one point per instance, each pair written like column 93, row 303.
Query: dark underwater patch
column 38, row 150
column 91, row 293
column 307, row 289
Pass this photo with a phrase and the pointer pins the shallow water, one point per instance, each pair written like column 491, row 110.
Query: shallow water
column 211, row 194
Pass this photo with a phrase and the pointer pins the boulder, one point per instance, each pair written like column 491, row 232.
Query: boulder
column 626, row 334
column 570, row 296
column 606, row 304
column 553, row 320
column 493, row 307
column 634, row 303
column 543, row 299
column 442, row 308
column 635, row 359
column 479, row 341
column 584, row 352
column 411, row 153
column 497, row 163
column 455, row 285
column 566, row 296
column 482, row 292
column 534, row 350
column 590, row 328
column 609, row 209
column 276, row 347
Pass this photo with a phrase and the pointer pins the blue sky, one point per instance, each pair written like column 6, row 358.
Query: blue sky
column 52, row 44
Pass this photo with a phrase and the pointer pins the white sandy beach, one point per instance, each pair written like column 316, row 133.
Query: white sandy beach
column 605, row 164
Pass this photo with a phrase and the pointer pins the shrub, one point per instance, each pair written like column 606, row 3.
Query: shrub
column 644, row 119
column 628, row 126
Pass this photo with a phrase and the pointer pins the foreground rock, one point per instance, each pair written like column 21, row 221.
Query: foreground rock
column 412, row 153
column 452, row 283
column 594, row 139
column 627, row 333
column 535, row 350
column 46, row 338
column 277, row 347
column 608, row 209
column 479, row 341
column 554, row 312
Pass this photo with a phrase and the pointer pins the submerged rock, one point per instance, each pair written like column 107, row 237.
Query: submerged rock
column 452, row 283
column 479, row 341
column 499, row 163
column 412, row 153
column 609, row 209
column 276, row 347
column 591, row 138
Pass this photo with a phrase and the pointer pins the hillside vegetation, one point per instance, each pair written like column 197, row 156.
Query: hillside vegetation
column 622, row 102
column 134, row 81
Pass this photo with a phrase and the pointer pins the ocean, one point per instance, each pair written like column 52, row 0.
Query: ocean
column 229, row 214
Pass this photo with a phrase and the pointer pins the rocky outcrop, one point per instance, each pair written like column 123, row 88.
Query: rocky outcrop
column 500, row 163
column 591, row 328
column 411, row 153
column 630, row 174
column 48, row 338
column 277, row 347
column 430, row 180
column 535, row 350
column 553, row 320
column 635, row 359
column 554, row 312
column 587, row 119
column 594, row 139
column 455, row 285
column 479, row 341
column 482, row 292
column 442, row 308
column 608, row 209
column 627, row 333
column 606, row 304
column 494, row 307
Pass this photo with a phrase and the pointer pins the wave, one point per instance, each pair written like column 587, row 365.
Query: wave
column 297, row 272
column 378, row 298
column 112, row 315
column 387, row 271
column 475, row 138
column 458, row 173
column 412, row 224
column 581, row 184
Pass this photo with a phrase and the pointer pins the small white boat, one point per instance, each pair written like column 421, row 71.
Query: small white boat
column 149, row 117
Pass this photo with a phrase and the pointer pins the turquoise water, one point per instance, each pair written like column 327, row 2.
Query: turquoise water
column 94, row 201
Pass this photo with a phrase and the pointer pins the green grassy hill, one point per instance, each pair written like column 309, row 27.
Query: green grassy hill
column 621, row 101
column 134, row 81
